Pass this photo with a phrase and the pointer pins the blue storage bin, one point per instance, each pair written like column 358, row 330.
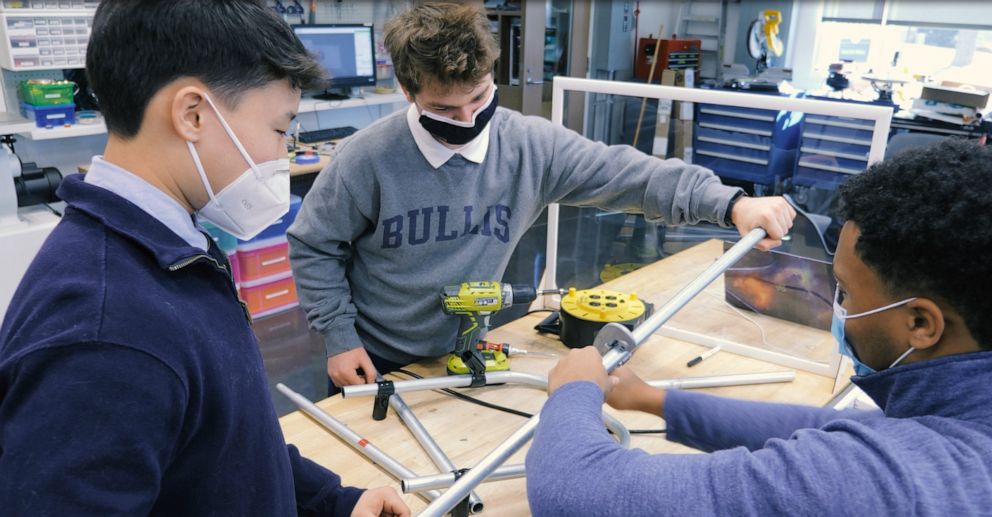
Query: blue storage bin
column 225, row 241
column 728, row 167
column 843, row 150
column 758, row 127
column 50, row 116
column 837, row 162
column 278, row 228
column 810, row 177
column 724, row 147
column 842, row 129
column 762, row 114
column 746, row 139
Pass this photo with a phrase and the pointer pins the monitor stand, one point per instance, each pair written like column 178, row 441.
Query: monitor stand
column 331, row 96
column 337, row 94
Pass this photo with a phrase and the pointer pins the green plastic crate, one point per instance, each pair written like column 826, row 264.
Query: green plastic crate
column 47, row 94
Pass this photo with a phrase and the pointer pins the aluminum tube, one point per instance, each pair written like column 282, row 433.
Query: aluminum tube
column 461, row 381
column 363, row 446
column 687, row 293
column 430, row 383
column 449, row 381
column 415, row 485
column 461, row 488
column 716, row 381
column 430, row 446
column 722, row 97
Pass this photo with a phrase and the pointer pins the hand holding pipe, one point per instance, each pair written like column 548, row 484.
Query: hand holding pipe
column 617, row 344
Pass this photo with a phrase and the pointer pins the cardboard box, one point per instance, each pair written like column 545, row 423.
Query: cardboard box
column 965, row 97
column 683, row 139
column 674, row 78
column 662, row 127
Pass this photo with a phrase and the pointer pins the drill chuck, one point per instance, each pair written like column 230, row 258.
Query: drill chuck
column 520, row 294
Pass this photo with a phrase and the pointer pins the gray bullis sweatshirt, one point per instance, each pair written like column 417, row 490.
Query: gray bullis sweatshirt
column 381, row 231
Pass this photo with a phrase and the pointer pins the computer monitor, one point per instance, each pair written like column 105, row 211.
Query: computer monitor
column 347, row 53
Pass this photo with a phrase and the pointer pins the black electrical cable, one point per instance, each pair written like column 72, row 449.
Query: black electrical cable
column 469, row 399
column 505, row 409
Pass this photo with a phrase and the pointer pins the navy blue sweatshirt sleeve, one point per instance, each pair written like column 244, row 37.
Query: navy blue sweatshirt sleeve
column 574, row 467
column 86, row 429
column 711, row 423
column 318, row 490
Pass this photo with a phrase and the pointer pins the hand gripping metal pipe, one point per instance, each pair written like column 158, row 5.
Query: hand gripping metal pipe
column 363, row 446
column 617, row 344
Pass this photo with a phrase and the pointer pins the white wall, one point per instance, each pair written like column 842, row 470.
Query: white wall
column 800, row 28
column 802, row 45
column 657, row 12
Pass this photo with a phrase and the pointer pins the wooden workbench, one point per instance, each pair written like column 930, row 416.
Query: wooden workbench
column 467, row 432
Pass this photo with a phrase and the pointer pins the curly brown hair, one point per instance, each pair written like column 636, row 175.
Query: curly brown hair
column 926, row 226
column 446, row 44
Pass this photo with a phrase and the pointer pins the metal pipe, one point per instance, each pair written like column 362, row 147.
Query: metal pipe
column 448, row 381
column 464, row 381
column 353, row 439
column 687, row 293
column 482, row 470
column 612, row 358
column 430, row 446
column 415, row 485
column 716, row 381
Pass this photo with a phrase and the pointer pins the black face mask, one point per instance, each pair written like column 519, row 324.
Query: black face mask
column 455, row 133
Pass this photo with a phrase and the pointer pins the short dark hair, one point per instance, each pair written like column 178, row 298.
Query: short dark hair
column 925, row 218
column 139, row 46
column 448, row 43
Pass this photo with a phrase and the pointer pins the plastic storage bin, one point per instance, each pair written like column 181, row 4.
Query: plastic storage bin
column 225, row 241
column 235, row 268
column 832, row 149
column 745, row 144
column 47, row 93
column 278, row 228
column 270, row 295
column 50, row 116
column 258, row 260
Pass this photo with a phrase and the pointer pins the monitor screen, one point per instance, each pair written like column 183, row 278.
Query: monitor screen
column 347, row 52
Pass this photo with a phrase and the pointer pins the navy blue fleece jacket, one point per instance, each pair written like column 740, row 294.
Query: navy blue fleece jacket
column 131, row 382
column 928, row 453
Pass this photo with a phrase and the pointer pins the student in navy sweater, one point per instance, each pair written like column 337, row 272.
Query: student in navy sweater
column 130, row 380
column 912, row 311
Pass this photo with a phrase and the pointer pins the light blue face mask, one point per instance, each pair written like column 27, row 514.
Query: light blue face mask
column 837, row 329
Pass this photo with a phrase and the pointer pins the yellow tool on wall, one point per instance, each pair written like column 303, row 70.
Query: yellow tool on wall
column 762, row 38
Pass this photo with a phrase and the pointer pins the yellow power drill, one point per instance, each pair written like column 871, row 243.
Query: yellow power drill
column 474, row 303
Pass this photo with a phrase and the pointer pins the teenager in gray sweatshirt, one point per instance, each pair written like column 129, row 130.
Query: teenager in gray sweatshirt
column 914, row 291
column 442, row 192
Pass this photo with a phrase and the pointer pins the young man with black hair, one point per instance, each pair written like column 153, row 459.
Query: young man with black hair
column 914, row 288
column 130, row 380
column 441, row 193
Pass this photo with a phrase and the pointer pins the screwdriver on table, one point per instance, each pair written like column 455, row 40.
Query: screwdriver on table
column 490, row 346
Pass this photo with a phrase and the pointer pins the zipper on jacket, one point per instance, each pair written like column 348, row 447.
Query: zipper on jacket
column 199, row 258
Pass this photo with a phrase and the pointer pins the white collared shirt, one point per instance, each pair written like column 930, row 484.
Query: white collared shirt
column 153, row 201
column 436, row 153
